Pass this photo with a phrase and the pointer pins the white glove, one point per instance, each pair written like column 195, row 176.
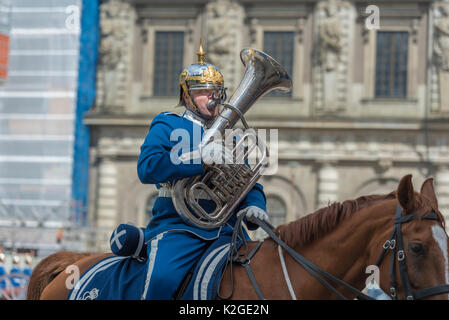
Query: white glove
column 253, row 213
column 216, row 153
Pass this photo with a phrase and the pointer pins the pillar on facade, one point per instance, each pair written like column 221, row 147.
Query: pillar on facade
column 107, row 194
column 327, row 185
column 442, row 190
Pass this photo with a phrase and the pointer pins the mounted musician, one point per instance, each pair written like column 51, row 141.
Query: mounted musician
column 202, row 188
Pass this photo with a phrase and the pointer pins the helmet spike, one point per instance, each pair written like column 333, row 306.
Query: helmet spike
column 201, row 54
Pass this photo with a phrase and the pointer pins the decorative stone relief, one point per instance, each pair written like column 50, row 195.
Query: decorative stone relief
column 116, row 25
column 333, row 34
column 224, row 21
column 253, row 31
column 440, row 49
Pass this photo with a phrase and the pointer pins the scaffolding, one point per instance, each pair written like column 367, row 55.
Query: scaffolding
column 37, row 123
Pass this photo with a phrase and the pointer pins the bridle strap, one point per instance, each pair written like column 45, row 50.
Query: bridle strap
column 432, row 291
column 395, row 244
column 400, row 252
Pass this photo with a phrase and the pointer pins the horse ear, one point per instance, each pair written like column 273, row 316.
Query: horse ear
column 429, row 192
column 406, row 194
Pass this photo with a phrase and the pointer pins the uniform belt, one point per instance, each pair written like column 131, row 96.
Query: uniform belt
column 166, row 193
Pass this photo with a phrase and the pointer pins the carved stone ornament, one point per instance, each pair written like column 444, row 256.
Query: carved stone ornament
column 224, row 21
column 440, row 67
column 333, row 29
column 441, row 35
column 330, row 36
column 113, row 51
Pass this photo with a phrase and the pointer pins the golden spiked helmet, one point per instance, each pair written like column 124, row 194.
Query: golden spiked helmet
column 200, row 75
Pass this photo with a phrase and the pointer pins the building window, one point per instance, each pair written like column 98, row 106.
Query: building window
column 391, row 64
column 279, row 45
column 168, row 62
column 149, row 207
column 276, row 209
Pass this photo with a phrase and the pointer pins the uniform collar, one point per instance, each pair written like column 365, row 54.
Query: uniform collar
column 189, row 114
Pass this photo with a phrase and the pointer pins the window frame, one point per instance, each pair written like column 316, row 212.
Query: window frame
column 259, row 30
column 288, row 95
column 149, row 53
column 155, row 59
column 370, row 62
column 391, row 86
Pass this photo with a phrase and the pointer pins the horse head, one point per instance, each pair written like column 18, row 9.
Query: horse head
column 400, row 237
column 414, row 259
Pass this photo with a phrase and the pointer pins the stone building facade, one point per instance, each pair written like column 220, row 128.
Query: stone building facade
column 370, row 103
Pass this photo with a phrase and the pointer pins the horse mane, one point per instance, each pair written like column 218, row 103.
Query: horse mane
column 306, row 229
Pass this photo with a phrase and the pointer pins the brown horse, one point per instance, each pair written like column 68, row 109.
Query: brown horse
column 342, row 239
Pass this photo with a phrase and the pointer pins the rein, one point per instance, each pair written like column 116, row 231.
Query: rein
column 395, row 244
column 314, row 270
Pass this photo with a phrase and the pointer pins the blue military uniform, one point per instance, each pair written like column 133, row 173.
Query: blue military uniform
column 27, row 271
column 175, row 246
column 14, row 275
column 2, row 273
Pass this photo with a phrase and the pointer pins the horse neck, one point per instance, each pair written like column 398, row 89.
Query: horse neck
column 349, row 248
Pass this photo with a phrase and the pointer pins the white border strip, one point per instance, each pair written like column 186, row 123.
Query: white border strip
column 151, row 262
column 210, row 270
column 202, row 268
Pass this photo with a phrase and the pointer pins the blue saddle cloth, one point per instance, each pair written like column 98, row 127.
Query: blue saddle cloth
column 208, row 272
column 112, row 278
column 123, row 278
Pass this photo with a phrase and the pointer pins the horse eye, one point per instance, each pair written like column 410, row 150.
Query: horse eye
column 416, row 248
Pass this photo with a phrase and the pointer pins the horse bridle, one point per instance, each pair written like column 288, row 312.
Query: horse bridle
column 396, row 246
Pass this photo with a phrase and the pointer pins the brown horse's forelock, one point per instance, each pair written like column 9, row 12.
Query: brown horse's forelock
column 304, row 230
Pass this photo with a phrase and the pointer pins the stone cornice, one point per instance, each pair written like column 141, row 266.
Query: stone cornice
column 143, row 120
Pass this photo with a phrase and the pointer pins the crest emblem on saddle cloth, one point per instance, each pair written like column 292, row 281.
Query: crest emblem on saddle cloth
column 91, row 295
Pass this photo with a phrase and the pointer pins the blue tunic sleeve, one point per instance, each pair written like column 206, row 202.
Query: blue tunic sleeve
column 155, row 164
column 256, row 197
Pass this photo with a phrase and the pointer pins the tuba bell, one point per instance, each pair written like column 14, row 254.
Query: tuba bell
column 227, row 184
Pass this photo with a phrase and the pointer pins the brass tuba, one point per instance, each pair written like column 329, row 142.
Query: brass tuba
column 227, row 184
